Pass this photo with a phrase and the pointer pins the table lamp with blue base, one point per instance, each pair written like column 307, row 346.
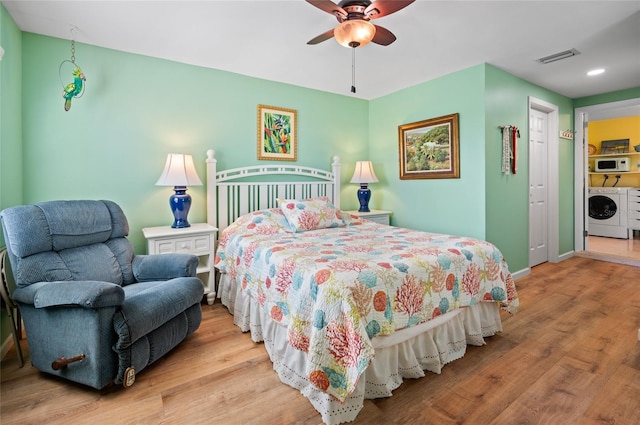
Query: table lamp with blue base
column 179, row 172
column 363, row 175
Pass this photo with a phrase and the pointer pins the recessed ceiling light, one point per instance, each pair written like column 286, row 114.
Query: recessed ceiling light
column 595, row 72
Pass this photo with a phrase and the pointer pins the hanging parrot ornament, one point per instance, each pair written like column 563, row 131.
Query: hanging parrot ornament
column 72, row 90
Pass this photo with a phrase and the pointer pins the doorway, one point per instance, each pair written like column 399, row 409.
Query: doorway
column 618, row 250
column 543, row 182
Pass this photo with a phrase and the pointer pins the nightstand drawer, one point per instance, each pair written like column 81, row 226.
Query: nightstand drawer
column 378, row 216
column 381, row 219
column 194, row 245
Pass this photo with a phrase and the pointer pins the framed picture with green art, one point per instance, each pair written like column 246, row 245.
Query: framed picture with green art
column 277, row 138
column 430, row 149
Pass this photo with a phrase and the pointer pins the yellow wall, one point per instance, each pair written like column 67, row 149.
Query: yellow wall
column 613, row 129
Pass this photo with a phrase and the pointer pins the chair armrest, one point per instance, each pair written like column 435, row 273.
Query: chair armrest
column 147, row 268
column 86, row 294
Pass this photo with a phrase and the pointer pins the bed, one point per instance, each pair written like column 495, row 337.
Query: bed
column 346, row 308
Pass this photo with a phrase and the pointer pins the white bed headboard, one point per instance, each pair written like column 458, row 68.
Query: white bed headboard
column 232, row 193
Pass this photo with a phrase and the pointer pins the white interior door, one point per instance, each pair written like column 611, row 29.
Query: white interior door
column 538, row 188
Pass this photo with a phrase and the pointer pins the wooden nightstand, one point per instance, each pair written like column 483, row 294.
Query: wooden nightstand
column 379, row 216
column 199, row 239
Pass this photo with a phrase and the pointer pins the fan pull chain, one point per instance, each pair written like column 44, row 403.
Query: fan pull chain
column 353, row 69
column 73, row 51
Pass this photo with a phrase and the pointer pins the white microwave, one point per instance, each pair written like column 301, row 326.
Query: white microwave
column 608, row 165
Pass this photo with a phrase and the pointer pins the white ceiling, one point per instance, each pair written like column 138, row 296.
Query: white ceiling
column 267, row 39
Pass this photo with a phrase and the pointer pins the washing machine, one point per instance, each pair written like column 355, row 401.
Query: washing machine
column 608, row 210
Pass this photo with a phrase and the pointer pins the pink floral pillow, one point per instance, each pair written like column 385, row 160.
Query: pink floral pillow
column 310, row 214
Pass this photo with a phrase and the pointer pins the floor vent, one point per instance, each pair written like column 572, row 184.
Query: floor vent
column 558, row 56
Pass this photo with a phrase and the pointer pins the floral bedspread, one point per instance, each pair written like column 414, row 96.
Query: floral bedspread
column 336, row 288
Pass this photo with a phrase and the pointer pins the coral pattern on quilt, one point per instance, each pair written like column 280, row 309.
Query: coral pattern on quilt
column 337, row 288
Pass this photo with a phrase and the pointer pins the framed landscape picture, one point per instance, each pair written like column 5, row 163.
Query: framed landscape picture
column 277, row 139
column 430, row 149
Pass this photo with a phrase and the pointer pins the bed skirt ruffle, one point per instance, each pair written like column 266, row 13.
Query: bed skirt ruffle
column 405, row 354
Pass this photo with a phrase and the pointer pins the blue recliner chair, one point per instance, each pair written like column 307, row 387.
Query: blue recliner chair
column 94, row 312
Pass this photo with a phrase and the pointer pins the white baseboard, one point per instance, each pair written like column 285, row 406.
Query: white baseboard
column 566, row 256
column 527, row 271
column 521, row 273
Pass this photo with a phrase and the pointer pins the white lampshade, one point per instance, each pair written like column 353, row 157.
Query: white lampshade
column 354, row 33
column 179, row 171
column 364, row 173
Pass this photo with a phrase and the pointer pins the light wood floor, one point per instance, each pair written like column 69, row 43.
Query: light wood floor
column 570, row 356
column 626, row 251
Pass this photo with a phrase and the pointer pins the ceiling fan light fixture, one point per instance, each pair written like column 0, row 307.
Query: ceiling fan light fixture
column 354, row 33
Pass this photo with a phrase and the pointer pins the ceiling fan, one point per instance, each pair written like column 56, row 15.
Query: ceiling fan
column 354, row 29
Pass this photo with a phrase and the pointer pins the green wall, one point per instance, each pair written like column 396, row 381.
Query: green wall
column 454, row 206
column 616, row 96
column 507, row 202
column 483, row 202
column 113, row 142
column 10, row 113
column 10, row 125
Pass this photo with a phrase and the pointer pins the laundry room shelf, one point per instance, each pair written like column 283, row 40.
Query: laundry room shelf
column 613, row 173
column 611, row 155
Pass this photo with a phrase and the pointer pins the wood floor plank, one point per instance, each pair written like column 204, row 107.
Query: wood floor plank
column 619, row 400
column 560, row 395
column 570, row 356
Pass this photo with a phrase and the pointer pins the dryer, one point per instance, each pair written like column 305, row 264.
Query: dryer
column 608, row 212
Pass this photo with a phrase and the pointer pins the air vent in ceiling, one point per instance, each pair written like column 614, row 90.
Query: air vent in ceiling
column 558, row 56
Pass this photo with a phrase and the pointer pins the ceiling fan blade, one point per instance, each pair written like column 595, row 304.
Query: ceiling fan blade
column 382, row 8
column 322, row 37
column 383, row 36
column 329, row 7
